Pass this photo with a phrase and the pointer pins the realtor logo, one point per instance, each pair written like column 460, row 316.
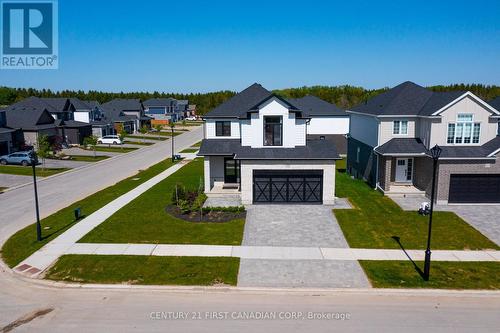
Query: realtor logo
column 29, row 34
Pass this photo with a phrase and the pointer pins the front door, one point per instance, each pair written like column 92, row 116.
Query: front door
column 404, row 170
column 231, row 170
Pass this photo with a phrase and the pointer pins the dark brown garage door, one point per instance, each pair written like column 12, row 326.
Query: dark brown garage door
column 304, row 186
column 482, row 188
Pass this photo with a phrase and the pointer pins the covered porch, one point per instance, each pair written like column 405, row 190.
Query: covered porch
column 222, row 175
column 404, row 168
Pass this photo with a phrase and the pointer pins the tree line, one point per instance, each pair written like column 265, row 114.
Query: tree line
column 344, row 96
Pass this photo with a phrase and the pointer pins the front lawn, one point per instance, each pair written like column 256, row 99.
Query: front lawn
column 150, row 270
column 23, row 243
column 144, row 220
column 377, row 222
column 197, row 144
column 144, row 137
column 114, row 149
column 443, row 275
column 139, row 143
column 27, row 170
column 189, row 150
column 87, row 158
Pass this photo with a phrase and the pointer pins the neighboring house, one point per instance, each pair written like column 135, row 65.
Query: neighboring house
column 257, row 146
column 165, row 110
column 127, row 112
column 191, row 110
column 90, row 112
column 32, row 118
column 9, row 137
column 390, row 136
column 496, row 104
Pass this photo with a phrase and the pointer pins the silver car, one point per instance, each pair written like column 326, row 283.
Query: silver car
column 21, row 157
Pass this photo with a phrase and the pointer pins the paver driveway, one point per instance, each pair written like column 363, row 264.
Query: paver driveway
column 296, row 226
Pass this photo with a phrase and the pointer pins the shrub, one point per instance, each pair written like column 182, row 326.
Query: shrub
column 184, row 206
column 234, row 209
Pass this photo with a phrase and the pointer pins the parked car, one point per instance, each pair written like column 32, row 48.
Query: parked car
column 110, row 140
column 21, row 157
column 192, row 118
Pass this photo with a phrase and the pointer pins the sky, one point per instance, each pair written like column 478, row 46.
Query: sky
column 199, row 46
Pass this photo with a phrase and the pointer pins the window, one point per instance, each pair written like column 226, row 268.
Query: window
column 222, row 128
column 451, row 133
column 273, row 131
column 464, row 131
column 400, row 127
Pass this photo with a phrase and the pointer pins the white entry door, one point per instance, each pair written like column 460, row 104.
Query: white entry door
column 404, row 170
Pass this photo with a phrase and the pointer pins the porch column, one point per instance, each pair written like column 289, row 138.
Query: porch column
column 206, row 169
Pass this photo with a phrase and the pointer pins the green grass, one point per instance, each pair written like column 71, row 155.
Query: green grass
column 443, row 275
column 23, row 243
column 144, row 220
column 166, row 133
column 86, row 158
column 341, row 164
column 2, row 189
column 140, row 143
column 27, row 171
column 141, row 137
column 115, row 149
column 376, row 219
column 150, row 270
column 197, row 144
column 189, row 150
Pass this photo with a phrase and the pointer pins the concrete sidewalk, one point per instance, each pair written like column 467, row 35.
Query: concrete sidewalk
column 43, row 258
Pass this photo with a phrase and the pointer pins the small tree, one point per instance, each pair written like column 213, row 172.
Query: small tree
column 121, row 133
column 90, row 141
column 143, row 130
column 44, row 148
column 158, row 127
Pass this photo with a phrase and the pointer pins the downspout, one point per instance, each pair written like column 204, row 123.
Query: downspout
column 377, row 183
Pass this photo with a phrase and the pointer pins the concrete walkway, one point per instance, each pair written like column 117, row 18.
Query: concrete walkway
column 66, row 244
column 43, row 258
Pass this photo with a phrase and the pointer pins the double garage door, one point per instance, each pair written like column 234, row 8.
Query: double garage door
column 481, row 188
column 300, row 186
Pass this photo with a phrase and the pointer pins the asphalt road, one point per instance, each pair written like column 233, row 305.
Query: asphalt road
column 126, row 310
column 17, row 205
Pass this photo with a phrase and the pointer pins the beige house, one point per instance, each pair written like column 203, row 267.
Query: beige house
column 391, row 134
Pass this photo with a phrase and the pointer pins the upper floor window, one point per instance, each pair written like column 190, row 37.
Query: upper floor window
column 464, row 131
column 400, row 127
column 273, row 131
column 222, row 128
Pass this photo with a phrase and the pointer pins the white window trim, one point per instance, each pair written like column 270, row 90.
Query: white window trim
column 407, row 127
column 471, row 143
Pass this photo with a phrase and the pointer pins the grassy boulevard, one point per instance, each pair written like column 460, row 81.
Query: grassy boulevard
column 26, row 171
column 23, row 243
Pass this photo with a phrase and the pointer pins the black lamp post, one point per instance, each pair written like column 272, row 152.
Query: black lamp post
column 435, row 152
column 172, row 128
column 33, row 160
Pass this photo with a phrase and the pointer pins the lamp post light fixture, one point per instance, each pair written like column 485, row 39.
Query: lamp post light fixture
column 435, row 153
column 33, row 161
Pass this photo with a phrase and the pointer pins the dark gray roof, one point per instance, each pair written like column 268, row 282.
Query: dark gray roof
column 412, row 146
column 315, row 149
column 314, row 106
column 152, row 102
column 33, row 119
column 124, row 104
column 32, row 103
column 241, row 103
column 113, row 113
column 407, row 99
column 59, row 104
column 70, row 123
column 78, row 104
column 402, row 146
column 495, row 103
column 339, row 140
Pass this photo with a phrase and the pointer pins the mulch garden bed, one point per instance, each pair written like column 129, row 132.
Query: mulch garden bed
column 211, row 216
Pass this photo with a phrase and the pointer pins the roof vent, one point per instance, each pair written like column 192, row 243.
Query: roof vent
column 322, row 137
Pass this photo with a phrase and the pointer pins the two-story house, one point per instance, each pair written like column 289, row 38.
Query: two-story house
column 391, row 134
column 257, row 144
column 128, row 112
column 165, row 110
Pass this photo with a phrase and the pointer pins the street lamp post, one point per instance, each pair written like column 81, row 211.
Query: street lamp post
column 33, row 160
column 172, row 128
column 435, row 153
